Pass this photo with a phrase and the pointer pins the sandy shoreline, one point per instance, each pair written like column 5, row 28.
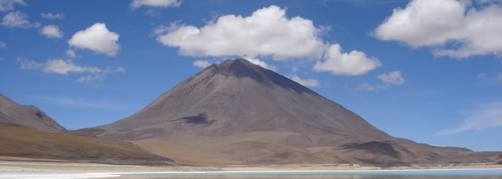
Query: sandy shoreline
column 51, row 169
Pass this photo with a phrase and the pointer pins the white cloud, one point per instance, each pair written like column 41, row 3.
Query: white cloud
column 486, row 116
column 51, row 31
column 393, row 78
column 305, row 82
column 26, row 64
column 18, row 20
column 50, row 15
column 294, row 69
column 71, row 53
column 261, row 63
column 353, row 63
column 3, row 45
column 8, row 5
column 96, row 38
column 433, row 23
column 201, row 63
column 155, row 3
column 267, row 32
column 64, row 67
column 499, row 76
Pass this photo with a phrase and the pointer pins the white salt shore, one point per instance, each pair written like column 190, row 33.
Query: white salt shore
column 58, row 169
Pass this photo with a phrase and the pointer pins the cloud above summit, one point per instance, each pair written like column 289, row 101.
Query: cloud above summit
column 454, row 28
column 267, row 32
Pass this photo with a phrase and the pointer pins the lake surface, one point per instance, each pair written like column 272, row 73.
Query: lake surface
column 426, row 174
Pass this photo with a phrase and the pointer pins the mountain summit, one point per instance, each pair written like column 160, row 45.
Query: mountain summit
column 238, row 96
column 240, row 113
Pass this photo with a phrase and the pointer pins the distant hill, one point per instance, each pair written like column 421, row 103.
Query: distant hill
column 240, row 113
column 26, row 131
column 26, row 115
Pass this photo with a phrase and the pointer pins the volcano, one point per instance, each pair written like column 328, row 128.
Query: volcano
column 237, row 112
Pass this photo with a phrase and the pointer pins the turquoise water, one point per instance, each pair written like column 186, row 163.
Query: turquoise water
column 426, row 174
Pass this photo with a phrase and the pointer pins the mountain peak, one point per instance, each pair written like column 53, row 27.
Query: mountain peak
column 239, row 112
column 242, row 68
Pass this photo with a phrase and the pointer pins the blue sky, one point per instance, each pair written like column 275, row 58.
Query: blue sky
column 426, row 70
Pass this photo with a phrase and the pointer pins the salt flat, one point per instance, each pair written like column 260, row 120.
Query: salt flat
column 15, row 167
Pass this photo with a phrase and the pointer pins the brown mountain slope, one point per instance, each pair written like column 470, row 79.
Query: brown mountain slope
column 22, row 141
column 238, row 112
column 26, row 131
column 26, row 115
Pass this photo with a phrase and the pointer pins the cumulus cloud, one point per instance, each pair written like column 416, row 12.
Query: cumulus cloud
column 96, row 38
column 51, row 31
column 393, row 78
column 64, row 67
column 50, row 15
column 3, row 45
column 469, row 30
column 486, row 116
column 201, row 63
column 305, row 82
column 261, row 63
column 8, row 5
column 267, row 32
column 18, row 20
column 155, row 3
column 352, row 63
